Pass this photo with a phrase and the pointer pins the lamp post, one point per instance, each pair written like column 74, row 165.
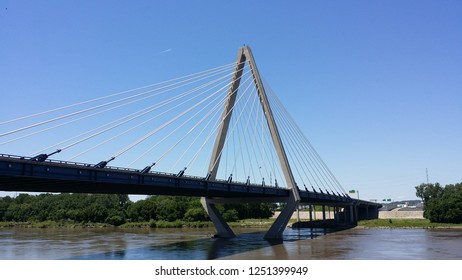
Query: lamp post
column 353, row 192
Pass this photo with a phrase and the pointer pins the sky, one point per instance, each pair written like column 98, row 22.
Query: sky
column 376, row 86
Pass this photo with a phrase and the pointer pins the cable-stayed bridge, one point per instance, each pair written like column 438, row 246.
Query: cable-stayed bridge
column 220, row 134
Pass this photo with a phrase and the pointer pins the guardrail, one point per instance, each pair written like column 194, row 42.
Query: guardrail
column 115, row 168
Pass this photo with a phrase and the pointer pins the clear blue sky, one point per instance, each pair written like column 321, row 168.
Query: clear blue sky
column 375, row 85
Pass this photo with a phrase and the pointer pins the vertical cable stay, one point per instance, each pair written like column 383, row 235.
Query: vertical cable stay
column 265, row 157
column 237, row 102
column 235, row 139
column 258, row 131
column 243, row 145
column 250, row 172
column 211, row 134
column 236, row 121
column 255, row 146
column 266, row 150
column 257, row 115
column 208, row 138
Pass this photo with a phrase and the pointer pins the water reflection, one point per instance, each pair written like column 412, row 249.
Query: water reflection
column 211, row 248
column 185, row 244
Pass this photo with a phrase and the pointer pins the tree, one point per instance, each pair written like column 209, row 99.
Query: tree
column 443, row 205
column 428, row 191
column 230, row 215
column 196, row 214
column 142, row 210
column 4, row 204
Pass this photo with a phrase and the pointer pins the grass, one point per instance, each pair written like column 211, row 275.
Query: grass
column 52, row 224
column 261, row 223
column 248, row 223
column 404, row 223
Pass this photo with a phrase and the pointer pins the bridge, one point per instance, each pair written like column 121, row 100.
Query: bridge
column 255, row 138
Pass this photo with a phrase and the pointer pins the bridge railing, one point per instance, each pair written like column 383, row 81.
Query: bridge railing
column 115, row 168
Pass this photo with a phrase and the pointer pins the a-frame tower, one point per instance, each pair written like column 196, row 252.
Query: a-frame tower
column 223, row 230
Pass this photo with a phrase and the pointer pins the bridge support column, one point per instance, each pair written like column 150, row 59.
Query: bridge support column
column 374, row 214
column 298, row 213
column 347, row 214
column 341, row 214
column 223, row 229
column 352, row 213
column 311, row 212
column 277, row 228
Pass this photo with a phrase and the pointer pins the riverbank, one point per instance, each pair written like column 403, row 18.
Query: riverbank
column 254, row 223
column 405, row 223
column 249, row 223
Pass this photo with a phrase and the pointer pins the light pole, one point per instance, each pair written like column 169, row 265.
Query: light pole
column 353, row 192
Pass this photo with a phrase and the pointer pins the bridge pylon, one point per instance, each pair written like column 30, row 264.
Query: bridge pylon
column 275, row 232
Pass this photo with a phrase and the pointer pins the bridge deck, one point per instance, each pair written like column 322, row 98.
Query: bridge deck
column 23, row 174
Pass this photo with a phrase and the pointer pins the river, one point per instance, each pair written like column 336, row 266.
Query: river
column 195, row 244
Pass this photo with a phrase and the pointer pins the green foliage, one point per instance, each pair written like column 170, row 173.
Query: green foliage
column 171, row 208
column 428, row 191
column 116, row 210
column 142, row 210
column 195, row 214
column 442, row 205
column 230, row 215
column 80, row 208
column 250, row 210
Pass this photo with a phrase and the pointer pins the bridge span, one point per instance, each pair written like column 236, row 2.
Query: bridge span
column 19, row 173
column 255, row 138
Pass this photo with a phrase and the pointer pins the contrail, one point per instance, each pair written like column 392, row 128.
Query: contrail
column 164, row 51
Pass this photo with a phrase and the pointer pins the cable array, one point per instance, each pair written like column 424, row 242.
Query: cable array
column 309, row 170
column 171, row 127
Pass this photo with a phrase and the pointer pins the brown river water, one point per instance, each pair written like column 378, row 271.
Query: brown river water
column 195, row 244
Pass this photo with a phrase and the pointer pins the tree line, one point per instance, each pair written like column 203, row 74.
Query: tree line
column 441, row 205
column 116, row 209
